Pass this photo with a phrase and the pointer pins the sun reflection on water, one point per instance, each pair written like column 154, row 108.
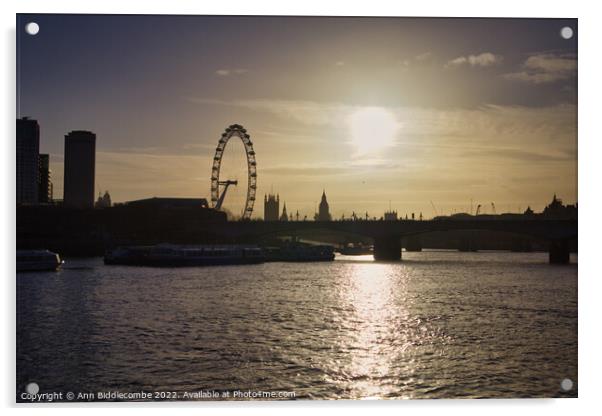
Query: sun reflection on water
column 372, row 292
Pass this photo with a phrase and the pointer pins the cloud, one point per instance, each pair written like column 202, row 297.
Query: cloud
column 544, row 68
column 227, row 72
column 420, row 60
column 522, row 155
column 456, row 149
column 306, row 112
column 306, row 170
column 351, row 167
column 168, row 149
column 460, row 127
column 292, row 135
column 373, row 163
column 484, row 59
column 424, row 56
column 339, row 63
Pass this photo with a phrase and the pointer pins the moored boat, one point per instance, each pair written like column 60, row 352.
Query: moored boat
column 37, row 260
column 300, row 253
column 168, row 255
column 351, row 249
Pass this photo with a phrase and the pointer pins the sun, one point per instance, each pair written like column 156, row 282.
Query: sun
column 372, row 129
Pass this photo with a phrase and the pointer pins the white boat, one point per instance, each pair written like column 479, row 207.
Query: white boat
column 37, row 260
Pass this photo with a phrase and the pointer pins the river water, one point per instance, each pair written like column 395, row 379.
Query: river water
column 436, row 325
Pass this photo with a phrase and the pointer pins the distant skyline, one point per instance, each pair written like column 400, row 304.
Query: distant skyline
column 406, row 110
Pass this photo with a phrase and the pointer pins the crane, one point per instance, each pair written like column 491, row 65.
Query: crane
column 434, row 209
column 227, row 183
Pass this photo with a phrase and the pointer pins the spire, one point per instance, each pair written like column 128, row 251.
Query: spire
column 284, row 216
column 323, row 212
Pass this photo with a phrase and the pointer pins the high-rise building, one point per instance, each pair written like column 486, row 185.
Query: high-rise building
column 44, row 180
column 80, row 160
column 324, row 209
column 28, row 148
column 271, row 207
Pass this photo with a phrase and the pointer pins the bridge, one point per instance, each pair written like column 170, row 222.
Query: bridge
column 387, row 235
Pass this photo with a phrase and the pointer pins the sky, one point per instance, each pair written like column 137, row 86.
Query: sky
column 417, row 114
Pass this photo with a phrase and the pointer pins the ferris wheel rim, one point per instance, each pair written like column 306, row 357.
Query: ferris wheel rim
column 240, row 132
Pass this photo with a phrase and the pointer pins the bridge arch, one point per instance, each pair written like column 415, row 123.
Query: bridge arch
column 387, row 234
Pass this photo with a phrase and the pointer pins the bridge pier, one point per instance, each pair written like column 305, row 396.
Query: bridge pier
column 559, row 252
column 387, row 248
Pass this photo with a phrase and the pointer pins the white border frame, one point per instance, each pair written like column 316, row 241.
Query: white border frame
column 590, row 201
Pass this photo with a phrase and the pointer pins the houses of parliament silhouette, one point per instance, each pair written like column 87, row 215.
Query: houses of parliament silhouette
column 271, row 209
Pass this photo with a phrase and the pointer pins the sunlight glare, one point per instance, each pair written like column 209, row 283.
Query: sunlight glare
column 372, row 129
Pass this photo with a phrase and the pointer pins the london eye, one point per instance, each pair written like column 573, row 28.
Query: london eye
column 217, row 197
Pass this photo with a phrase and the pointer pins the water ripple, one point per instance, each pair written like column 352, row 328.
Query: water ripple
column 436, row 325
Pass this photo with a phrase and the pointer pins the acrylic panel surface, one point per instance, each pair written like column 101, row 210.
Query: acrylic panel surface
column 277, row 208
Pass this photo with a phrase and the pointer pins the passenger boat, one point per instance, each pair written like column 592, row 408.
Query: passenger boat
column 359, row 249
column 300, row 253
column 37, row 260
column 168, row 255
